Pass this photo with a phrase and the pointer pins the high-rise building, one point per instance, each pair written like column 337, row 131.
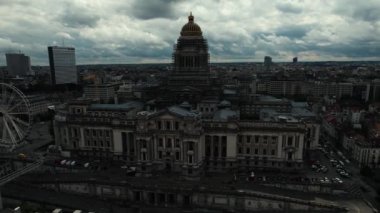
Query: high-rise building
column 62, row 65
column 267, row 62
column 295, row 60
column 18, row 64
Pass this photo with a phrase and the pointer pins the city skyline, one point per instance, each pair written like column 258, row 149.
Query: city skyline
column 106, row 32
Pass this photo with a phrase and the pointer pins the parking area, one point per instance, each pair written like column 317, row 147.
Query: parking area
column 329, row 167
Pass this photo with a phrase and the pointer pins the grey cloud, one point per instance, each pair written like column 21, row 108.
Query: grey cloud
column 78, row 18
column 293, row 32
column 367, row 13
column 288, row 8
column 149, row 28
column 360, row 10
column 149, row 9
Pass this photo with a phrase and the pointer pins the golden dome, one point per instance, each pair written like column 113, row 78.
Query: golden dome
column 191, row 28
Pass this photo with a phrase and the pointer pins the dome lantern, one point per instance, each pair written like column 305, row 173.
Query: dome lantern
column 191, row 28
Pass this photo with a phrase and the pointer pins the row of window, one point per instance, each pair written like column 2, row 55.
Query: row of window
column 95, row 143
column 167, row 125
column 206, row 109
column 97, row 133
column 108, row 114
column 168, row 144
column 265, row 139
column 257, row 151
column 177, row 155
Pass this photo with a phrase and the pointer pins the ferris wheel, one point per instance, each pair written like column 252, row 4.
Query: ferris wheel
column 15, row 116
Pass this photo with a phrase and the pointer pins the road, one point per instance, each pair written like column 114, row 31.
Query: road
column 354, row 169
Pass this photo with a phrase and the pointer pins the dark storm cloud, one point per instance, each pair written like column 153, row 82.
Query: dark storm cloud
column 288, row 8
column 150, row 9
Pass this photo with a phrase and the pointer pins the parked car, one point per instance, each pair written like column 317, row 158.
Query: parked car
column 325, row 169
column 22, row 156
column 63, row 162
column 338, row 180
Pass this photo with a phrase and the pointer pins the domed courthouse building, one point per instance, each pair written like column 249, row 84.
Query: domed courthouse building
column 189, row 129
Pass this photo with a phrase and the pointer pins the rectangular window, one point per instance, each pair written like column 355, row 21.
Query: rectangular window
column 274, row 140
column 265, row 139
column 159, row 125
column 168, row 143
column 177, row 155
column 240, row 139
column 159, row 154
column 224, row 146
column 190, row 159
column 290, row 140
column 257, row 138
column 264, row 151
column 248, row 139
column 256, row 151
column 239, row 150
column 160, row 142
column 168, row 125
column 248, row 150
column 177, row 142
column 273, row 152
column 191, row 146
column 216, row 153
column 176, row 125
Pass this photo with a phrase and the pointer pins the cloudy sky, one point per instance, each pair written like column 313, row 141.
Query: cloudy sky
column 144, row 31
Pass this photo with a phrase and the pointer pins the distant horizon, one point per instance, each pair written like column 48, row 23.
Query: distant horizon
column 227, row 62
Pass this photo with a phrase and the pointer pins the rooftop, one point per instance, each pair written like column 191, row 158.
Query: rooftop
column 120, row 107
column 181, row 111
column 225, row 114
